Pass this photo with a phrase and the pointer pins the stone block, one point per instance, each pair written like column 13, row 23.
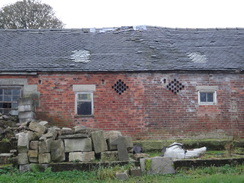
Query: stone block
column 23, row 142
column 34, row 145
column 25, row 101
column 110, row 156
column 157, row 165
column 44, row 158
column 122, row 176
column 111, row 136
column 22, row 159
column 82, row 156
column 5, row 158
column 74, row 145
column 33, row 153
column 67, row 131
column 44, row 146
column 129, row 142
column 138, row 156
column 24, row 168
column 51, row 133
column 32, row 136
column 36, row 127
column 29, row 115
column 121, row 144
column 136, row 171
column 44, row 123
column 33, row 160
column 57, row 151
column 99, row 142
column 24, row 108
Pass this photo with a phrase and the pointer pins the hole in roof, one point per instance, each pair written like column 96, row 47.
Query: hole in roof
column 82, row 56
column 197, row 57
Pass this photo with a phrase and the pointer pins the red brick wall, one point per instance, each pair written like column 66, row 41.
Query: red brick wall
column 147, row 109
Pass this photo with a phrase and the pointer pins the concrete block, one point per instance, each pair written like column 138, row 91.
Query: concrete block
column 99, row 142
column 22, row 159
column 44, row 158
column 81, row 156
column 74, row 145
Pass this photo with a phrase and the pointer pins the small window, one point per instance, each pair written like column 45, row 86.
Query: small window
column 84, row 103
column 9, row 99
column 207, row 98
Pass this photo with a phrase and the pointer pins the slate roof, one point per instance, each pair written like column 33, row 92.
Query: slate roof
column 122, row 49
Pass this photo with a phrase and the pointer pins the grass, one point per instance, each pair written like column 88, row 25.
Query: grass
column 224, row 174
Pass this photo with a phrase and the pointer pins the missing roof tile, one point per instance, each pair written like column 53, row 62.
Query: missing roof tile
column 197, row 57
column 82, row 56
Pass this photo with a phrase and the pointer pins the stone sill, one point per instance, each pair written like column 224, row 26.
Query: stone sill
column 84, row 116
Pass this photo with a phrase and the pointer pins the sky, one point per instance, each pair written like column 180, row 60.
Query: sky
column 162, row 13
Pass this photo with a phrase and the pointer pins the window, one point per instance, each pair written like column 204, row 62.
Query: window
column 84, row 103
column 9, row 99
column 207, row 97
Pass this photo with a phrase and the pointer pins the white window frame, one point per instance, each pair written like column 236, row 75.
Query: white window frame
column 84, row 89
column 77, row 100
column 207, row 89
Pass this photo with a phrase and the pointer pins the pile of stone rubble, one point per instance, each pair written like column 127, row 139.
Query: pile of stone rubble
column 42, row 145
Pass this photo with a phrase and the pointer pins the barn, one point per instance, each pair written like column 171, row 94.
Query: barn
column 147, row 82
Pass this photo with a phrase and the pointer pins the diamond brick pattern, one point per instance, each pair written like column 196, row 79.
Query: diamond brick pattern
column 120, row 87
column 175, row 86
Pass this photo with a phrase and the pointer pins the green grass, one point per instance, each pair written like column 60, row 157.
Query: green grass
column 224, row 174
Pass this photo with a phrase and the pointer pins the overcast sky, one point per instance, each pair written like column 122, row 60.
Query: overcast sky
column 163, row 13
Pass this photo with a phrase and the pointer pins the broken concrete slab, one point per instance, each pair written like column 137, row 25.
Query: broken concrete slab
column 157, row 165
column 99, row 142
column 57, row 151
column 82, row 156
column 83, row 144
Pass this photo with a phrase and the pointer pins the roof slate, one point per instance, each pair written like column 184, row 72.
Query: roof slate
column 122, row 49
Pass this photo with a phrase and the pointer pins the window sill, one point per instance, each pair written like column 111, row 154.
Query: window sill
column 84, row 116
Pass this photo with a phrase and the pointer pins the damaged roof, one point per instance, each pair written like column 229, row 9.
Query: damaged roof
column 121, row 49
